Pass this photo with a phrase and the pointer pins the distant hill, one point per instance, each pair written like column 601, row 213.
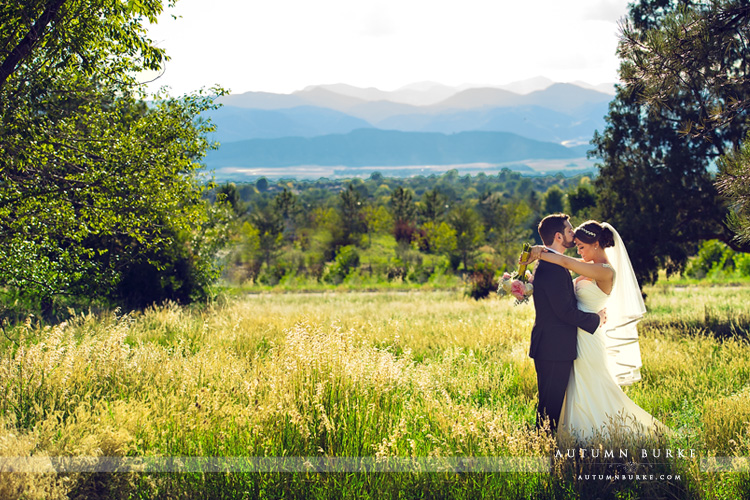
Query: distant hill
column 239, row 124
column 566, row 98
column 360, row 102
column 480, row 98
column 533, row 122
column 424, row 124
column 372, row 147
column 421, row 94
column 562, row 113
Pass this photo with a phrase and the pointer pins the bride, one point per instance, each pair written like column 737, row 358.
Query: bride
column 594, row 402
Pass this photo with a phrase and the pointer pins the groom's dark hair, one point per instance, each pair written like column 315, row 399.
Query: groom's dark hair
column 551, row 225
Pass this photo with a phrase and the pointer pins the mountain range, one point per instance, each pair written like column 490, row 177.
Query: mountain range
column 423, row 123
column 370, row 147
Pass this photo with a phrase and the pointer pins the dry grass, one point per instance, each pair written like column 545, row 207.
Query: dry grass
column 344, row 375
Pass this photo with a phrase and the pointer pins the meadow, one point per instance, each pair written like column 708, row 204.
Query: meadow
column 432, row 378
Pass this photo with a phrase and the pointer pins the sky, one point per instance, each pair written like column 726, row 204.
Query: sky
column 282, row 46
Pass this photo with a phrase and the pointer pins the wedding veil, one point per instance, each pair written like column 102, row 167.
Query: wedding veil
column 625, row 308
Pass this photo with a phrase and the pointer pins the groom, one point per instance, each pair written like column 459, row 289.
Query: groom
column 554, row 336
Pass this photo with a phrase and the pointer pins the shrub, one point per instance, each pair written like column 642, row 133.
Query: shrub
column 713, row 256
column 316, row 264
column 482, row 280
column 347, row 259
column 742, row 263
column 271, row 275
column 176, row 272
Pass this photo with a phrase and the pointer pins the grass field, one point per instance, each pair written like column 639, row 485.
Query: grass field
column 432, row 377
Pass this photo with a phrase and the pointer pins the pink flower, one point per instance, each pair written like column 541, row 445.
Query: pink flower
column 529, row 276
column 506, row 276
column 518, row 289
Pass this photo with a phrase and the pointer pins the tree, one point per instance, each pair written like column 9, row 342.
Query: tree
column 655, row 183
column 582, row 200
column 697, row 48
column 553, row 201
column 106, row 39
column 434, row 206
column 377, row 219
column 439, row 238
column 262, row 184
column 270, row 227
column 92, row 179
column 701, row 50
column 180, row 270
column 404, row 213
column 506, row 224
column 655, row 189
column 228, row 193
column 512, row 230
column 352, row 215
column 489, row 207
column 286, row 205
column 469, row 232
column 734, row 183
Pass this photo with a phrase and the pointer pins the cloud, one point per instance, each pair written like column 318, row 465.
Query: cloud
column 286, row 45
column 378, row 23
column 606, row 10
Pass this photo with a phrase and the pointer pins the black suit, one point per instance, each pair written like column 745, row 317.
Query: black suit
column 554, row 336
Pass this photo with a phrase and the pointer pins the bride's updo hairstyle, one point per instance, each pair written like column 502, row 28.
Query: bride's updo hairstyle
column 592, row 232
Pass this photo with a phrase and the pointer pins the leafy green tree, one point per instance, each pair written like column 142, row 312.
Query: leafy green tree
column 553, row 201
column 245, row 256
column 404, row 213
column 377, row 219
column 655, row 188
column 286, row 204
column 325, row 218
column 582, row 200
column 512, row 230
column 506, row 223
column 181, row 270
column 489, row 207
column 262, row 184
column 469, row 232
column 346, row 261
column 440, row 237
column 228, row 193
column 91, row 178
column 534, row 201
column 352, row 214
column 87, row 38
column 713, row 255
column 402, row 205
column 270, row 227
column 433, row 206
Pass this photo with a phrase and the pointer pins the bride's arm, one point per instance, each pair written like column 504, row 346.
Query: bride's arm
column 591, row 270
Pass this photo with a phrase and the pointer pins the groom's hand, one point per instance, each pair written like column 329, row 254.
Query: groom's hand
column 602, row 316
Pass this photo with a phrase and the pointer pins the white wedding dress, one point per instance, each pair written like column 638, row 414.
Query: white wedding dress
column 594, row 404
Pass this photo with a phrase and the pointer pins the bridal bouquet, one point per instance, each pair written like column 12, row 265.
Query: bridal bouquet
column 519, row 284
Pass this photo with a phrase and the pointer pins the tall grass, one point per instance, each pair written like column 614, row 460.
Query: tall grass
column 376, row 375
